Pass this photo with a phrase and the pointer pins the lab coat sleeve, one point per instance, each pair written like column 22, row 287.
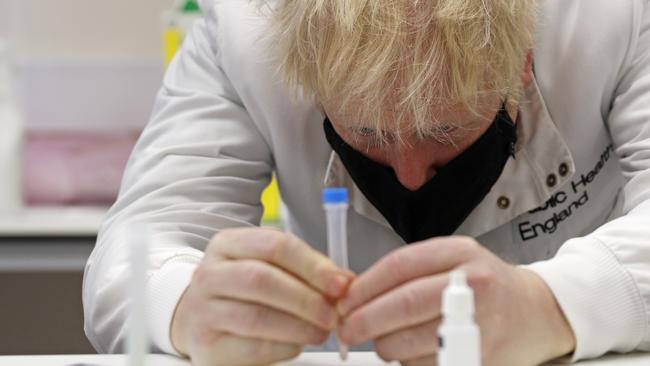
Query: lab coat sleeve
column 602, row 281
column 199, row 166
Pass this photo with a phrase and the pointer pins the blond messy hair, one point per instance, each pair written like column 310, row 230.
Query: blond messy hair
column 405, row 55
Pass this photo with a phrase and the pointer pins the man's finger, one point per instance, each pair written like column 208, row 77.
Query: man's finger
column 415, row 342
column 427, row 258
column 414, row 303
column 287, row 252
column 261, row 283
column 225, row 349
column 260, row 322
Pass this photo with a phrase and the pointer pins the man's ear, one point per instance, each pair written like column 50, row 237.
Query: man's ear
column 527, row 73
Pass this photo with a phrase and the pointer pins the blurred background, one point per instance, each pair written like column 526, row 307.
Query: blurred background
column 77, row 83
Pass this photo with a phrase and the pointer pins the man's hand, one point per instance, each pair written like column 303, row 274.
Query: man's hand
column 396, row 303
column 257, row 297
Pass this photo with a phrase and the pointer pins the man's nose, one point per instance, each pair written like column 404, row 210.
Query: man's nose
column 412, row 168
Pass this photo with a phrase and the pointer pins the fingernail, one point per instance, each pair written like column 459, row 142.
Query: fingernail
column 338, row 286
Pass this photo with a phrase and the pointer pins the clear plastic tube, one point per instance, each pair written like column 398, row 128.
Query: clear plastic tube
column 337, row 240
column 335, row 201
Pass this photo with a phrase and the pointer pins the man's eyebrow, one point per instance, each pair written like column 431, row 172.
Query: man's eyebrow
column 380, row 134
column 435, row 130
column 360, row 128
column 465, row 125
column 356, row 127
column 440, row 128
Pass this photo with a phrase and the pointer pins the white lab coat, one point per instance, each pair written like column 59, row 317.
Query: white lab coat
column 575, row 202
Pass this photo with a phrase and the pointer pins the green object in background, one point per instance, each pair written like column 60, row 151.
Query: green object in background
column 191, row 6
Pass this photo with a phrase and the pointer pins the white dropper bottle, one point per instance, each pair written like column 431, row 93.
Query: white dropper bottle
column 11, row 138
column 458, row 335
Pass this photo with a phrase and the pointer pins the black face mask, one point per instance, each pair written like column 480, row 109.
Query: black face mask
column 444, row 202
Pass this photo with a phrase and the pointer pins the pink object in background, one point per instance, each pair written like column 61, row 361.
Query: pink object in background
column 75, row 168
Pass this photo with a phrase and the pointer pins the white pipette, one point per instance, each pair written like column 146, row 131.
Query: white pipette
column 138, row 339
column 335, row 201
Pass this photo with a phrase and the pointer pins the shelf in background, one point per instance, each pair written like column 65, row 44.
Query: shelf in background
column 52, row 222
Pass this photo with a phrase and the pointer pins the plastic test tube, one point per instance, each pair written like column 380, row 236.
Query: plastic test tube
column 335, row 201
column 138, row 339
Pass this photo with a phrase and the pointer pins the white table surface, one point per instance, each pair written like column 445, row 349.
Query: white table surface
column 306, row 359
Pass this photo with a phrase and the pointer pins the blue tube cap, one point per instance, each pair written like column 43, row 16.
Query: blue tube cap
column 335, row 195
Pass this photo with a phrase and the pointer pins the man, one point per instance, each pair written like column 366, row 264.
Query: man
column 485, row 134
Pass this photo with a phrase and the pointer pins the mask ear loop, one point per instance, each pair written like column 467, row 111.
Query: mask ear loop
column 510, row 125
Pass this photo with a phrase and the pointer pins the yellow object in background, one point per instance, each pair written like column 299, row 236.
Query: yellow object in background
column 172, row 41
column 271, row 202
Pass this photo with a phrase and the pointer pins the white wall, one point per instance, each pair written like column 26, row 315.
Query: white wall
column 4, row 18
column 84, row 28
column 85, row 64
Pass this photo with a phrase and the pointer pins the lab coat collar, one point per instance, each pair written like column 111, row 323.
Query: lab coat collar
column 542, row 158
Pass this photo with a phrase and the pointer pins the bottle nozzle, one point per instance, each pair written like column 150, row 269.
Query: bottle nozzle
column 458, row 297
column 458, row 278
